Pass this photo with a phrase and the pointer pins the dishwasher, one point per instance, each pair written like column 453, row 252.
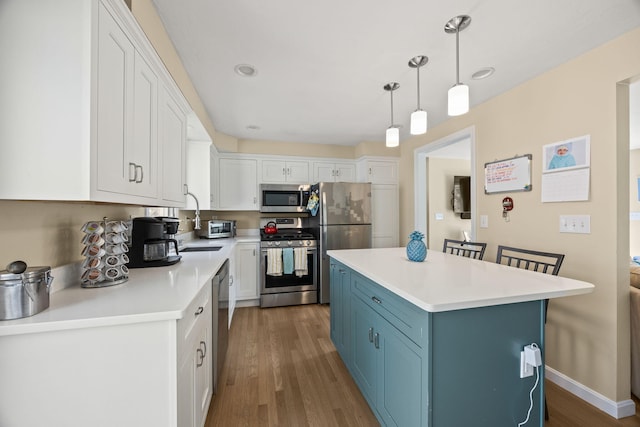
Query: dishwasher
column 220, row 324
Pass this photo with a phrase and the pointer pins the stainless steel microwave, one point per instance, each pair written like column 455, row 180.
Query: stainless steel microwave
column 284, row 197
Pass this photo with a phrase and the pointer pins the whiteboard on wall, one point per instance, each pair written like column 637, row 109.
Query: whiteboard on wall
column 508, row 175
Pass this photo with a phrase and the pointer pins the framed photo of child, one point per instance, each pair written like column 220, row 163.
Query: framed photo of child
column 564, row 155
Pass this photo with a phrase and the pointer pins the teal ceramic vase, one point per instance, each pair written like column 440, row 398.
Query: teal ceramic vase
column 416, row 249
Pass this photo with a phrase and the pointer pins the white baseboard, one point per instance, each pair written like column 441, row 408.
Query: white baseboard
column 625, row 408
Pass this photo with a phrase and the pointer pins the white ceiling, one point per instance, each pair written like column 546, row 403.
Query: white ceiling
column 321, row 66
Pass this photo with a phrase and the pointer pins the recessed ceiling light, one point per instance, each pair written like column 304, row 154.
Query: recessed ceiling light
column 483, row 73
column 245, row 70
column 253, row 127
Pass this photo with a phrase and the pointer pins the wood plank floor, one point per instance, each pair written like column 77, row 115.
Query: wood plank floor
column 283, row 370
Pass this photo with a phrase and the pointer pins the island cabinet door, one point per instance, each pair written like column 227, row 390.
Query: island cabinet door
column 340, row 309
column 402, row 386
column 363, row 355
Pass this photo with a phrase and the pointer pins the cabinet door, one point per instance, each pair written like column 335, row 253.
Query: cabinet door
column 340, row 294
column 401, row 397
column 345, row 172
column 203, row 374
column 142, row 149
column 323, row 172
column 115, row 65
column 172, row 137
column 214, row 183
column 297, row 172
column 363, row 354
column 274, row 171
column 381, row 172
column 198, row 174
column 233, row 291
column 238, row 188
column 384, row 215
column 247, row 271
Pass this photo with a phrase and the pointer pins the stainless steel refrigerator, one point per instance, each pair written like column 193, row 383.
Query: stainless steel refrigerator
column 342, row 221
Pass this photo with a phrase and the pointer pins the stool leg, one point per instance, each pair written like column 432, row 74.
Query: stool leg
column 546, row 408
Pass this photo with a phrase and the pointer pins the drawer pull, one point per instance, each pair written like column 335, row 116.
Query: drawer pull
column 376, row 340
column 370, row 334
column 199, row 311
column 376, row 300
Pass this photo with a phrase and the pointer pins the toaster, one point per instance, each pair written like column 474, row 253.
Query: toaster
column 218, row 229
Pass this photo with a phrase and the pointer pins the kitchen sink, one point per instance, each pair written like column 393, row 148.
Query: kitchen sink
column 201, row 249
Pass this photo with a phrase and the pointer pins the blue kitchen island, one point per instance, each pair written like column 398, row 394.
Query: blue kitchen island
column 438, row 343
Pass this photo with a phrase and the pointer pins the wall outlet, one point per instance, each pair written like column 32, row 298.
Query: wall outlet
column 526, row 370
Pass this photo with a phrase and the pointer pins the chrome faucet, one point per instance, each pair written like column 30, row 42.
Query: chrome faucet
column 196, row 220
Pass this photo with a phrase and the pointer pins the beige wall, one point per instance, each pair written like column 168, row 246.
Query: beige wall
column 634, row 204
column 587, row 336
column 440, row 173
column 49, row 233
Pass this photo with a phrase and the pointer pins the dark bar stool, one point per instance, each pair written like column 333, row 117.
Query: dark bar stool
column 473, row 250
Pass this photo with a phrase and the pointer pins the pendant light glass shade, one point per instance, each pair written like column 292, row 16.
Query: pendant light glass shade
column 418, row 122
column 458, row 100
column 418, row 117
column 458, row 97
column 393, row 136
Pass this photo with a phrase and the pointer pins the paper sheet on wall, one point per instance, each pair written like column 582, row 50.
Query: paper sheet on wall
column 566, row 186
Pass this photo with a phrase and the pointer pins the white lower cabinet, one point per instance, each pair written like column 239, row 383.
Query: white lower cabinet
column 145, row 374
column 247, row 258
column 195, row 361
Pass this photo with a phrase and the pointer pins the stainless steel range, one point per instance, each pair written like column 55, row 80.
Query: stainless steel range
column 288, row 263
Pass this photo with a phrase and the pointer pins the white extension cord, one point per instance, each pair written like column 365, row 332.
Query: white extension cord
column 532, row 357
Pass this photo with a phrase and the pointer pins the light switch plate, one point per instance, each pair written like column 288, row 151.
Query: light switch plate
column 439, row 216
column 484, row 221
column 580, row 224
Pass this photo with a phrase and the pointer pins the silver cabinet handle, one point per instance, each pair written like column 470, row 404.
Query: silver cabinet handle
column 338, row 172
column 141, row 173
column 186, row 189
column 284, row 171
column 199, row 311
column 370, row 334
column 201, row 356
column 376, row 300
column 255, row 200
column 288, row 171
column 135, row 172
column 376, row 340
column 254, row 251
column 204, row 350
column 230, row 280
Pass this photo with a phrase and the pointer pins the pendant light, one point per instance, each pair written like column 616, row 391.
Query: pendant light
column 459, row 93
column 418, row 117
column 393, row 131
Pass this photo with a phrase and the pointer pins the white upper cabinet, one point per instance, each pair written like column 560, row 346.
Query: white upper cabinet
column 277, row 171
column 238, row 184
column 173, row 125
column 378, row 171
column 83, row 107
column 334, row 172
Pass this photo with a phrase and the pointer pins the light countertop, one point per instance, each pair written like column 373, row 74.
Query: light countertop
column 445, row 282
column 150, row 294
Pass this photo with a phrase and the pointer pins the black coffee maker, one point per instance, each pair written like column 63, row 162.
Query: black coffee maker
column 150, row 243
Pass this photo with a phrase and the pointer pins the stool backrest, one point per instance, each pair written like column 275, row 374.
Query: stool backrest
column 473, row 250
column 543, row 262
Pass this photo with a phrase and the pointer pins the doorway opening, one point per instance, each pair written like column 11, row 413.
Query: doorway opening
column 459, row 145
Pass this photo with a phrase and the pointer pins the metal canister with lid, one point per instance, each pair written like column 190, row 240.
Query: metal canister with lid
column 24, row 291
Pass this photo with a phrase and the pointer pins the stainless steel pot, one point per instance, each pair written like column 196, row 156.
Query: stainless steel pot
column 24, row 294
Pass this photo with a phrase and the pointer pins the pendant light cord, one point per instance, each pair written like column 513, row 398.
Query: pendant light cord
column 418, row 72
column 458, row 55
column 391, row 106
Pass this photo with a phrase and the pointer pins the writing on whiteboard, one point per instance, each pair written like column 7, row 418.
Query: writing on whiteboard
column 508, row 175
